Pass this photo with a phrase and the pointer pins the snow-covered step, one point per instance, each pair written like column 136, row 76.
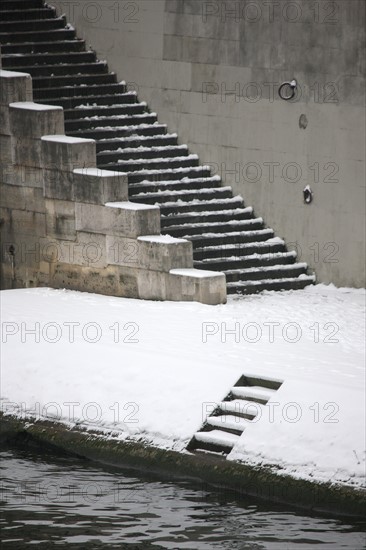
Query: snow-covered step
column 215, row 441
column 159, row 163
column 79, row 92
column 252, row 393
column 126, row 109
column 107, row 132
column 37, row 36
column 252, row 260
column 135, row 140
column 30, row 25
column 234, row 244
column 198, row 205
column 71, row 45
column 33, row 59
column 168, row 196
column 73, row 79
column 272, row 271
column 184, row 184
column 228, row 422
column 242, row 408
column 187, row 229
column 64, row 69
column 110, row 122
column 207, row 216
column 252, row 287
column 126, row 153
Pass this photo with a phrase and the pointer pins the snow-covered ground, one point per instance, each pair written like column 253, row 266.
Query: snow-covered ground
column 153, row 370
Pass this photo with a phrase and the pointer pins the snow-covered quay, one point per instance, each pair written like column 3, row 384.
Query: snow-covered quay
column 152, row 371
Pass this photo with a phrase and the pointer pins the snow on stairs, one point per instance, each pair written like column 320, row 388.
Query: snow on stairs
column 226, row 235
column 225, row 425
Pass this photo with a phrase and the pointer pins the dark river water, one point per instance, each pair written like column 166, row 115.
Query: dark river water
column 52, row 501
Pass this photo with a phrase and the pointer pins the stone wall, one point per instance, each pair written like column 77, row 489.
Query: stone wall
column 212, row 69
column 66, row 224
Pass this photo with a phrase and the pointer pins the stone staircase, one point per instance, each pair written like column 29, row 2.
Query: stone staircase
column 244, row 404
column 227, row 236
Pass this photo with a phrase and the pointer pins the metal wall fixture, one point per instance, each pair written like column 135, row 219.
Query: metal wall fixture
column 287, row 90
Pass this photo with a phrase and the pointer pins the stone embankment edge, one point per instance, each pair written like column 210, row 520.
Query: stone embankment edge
column 259, row 482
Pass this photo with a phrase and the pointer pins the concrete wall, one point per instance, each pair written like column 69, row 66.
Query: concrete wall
column 240, row 51
column 66, row 224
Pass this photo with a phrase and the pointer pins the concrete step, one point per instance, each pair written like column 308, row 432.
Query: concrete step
column 76, row 91
column 237, row 251
column 215, row 441
column 136, row 141
column 104, row 111
column 244, row 262
column 185, row 230
column 171, row 174
column 226, row 422
column 184, row 184
column 211, row 246
column 97, row 68
column 72, row 103
column 25, row 14
column 62, row 46
column 207, row 216
column 34, row 36
column 197, row 205
column 253, row 287
column 6, row 5
column 121, row 131
column 160, row 198
column 47, row 59
column 274, row 271
column 257, row 394
column 74, row 80
column 132, row 166
column 31, row 25
column 241, row 408
column 110, row 122
column 105, row 157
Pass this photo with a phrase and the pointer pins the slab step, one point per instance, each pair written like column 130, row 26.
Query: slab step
column 46, row 59
column 76, row 91
column 31, row 25
column 105, row 111
column 20, row 4
column 108, row 133
column 273, row 271
column 158, row 198
column 63, row 69
column 34, row 36
column 252, row 393
column 127, row 153
column 25, row 14
column 185, row 230
column 63, row 46
column 253, row 260
column 74, row 80
column 227, row 422
column 135, row 140
column 253, row 287
column 215, row 441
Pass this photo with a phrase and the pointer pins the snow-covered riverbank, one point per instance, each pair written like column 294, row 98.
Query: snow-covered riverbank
column 153, row 370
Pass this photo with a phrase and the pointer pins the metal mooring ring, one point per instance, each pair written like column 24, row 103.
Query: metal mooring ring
column 292, row 85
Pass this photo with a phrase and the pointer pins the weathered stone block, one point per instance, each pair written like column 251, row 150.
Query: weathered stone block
column 151, row 285
column 163, row 253
column 28, row 223
column 90, row 250
column 58, row 184
column 29, row 176
column 207, row 287
column 27, row 151
column 60, row 152
column 15, row 87
column 5, row 149
column 160, row 253
column 60, row 219
column 124, row 219
column 34, row 120
column 92, row 185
